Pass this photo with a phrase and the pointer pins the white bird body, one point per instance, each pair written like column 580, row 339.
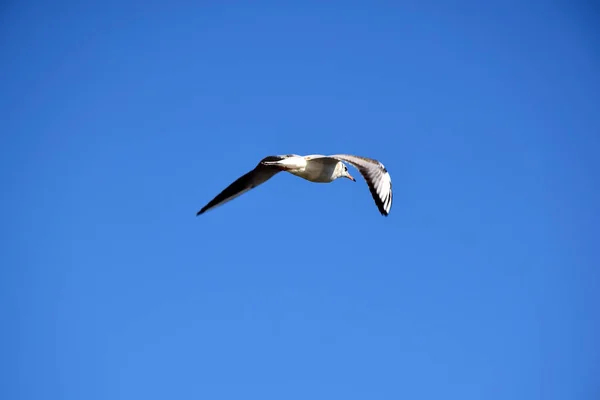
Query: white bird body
column 314, row 168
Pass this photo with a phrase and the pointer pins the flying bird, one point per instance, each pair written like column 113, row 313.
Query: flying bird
column 314, row 168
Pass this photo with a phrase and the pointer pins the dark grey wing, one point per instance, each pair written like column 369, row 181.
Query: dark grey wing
column 252, row 179
column 377, row 177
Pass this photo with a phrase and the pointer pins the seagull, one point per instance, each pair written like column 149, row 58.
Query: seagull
column 314, row 168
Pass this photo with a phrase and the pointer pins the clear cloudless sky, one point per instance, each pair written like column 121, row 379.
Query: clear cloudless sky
column 119, row 121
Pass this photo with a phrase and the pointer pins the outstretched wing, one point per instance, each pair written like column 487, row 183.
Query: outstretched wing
column 377, row 177
column 259, row 175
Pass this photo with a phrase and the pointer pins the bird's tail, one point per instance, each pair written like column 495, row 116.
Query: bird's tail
column 287, row 163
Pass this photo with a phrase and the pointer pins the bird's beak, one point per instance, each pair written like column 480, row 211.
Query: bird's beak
column 351, row 178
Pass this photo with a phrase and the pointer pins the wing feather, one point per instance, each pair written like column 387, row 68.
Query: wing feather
column 377, row 177
column 259, row 175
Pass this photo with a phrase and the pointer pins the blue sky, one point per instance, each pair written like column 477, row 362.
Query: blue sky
column 119, row 122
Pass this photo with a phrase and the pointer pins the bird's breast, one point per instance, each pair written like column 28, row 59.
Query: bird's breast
column 315, row 172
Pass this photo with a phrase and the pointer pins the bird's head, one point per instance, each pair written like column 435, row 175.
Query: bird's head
column 342, row 171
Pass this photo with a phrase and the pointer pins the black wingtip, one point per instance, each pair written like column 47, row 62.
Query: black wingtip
column 200, row 212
